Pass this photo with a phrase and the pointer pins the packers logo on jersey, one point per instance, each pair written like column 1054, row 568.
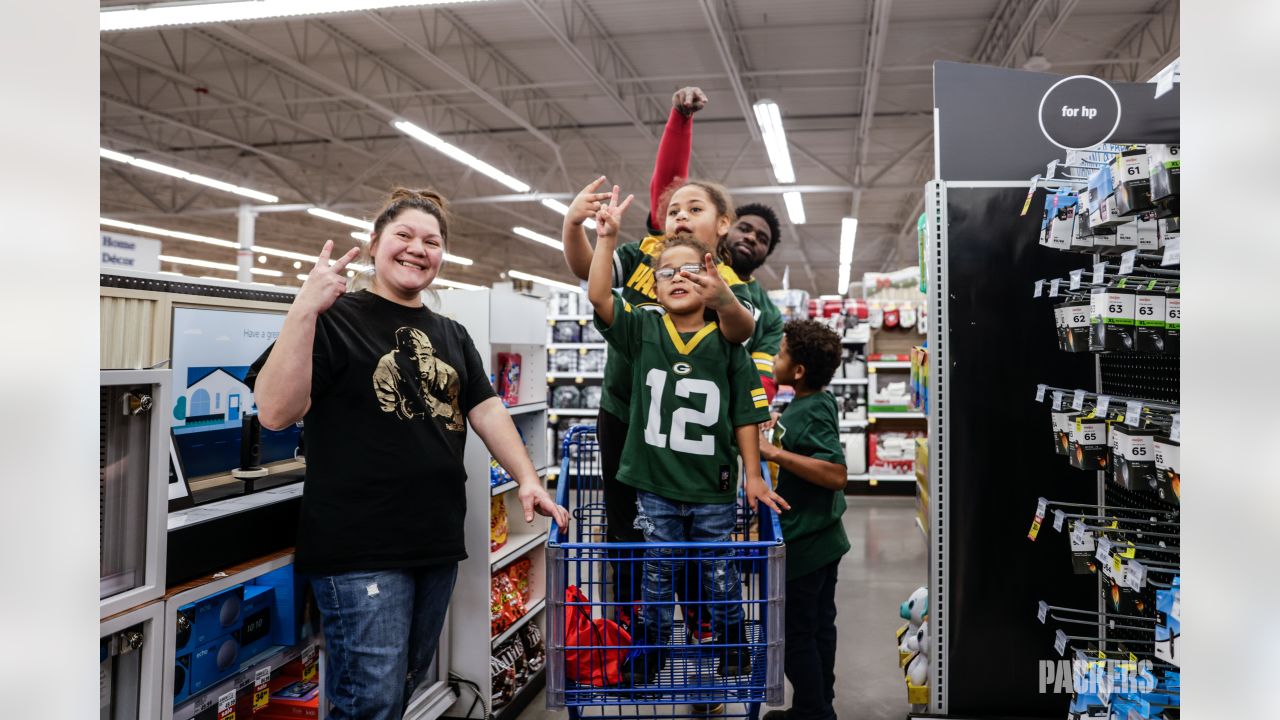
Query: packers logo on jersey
column 682, row 368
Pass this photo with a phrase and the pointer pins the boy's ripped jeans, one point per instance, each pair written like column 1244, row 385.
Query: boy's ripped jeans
column 662, row 521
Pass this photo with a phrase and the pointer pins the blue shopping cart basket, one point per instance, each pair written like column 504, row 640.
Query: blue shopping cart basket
column 583, row 668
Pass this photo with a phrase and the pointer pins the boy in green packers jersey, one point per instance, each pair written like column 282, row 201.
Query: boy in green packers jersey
column 811, row 473
column 694, row 396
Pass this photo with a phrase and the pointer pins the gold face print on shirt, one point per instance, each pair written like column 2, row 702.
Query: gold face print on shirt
column 415, row 384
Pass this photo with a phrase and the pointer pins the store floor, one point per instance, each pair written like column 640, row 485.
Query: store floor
column 885, row 564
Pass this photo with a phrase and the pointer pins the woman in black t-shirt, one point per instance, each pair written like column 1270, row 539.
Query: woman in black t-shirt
column 386, row 387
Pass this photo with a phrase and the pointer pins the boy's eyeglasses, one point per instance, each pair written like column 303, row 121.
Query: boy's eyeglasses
column 665, row 274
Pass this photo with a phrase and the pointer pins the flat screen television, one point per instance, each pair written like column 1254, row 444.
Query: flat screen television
column 212, row 349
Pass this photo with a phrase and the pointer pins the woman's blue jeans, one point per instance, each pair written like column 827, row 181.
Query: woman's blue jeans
column 381, row 631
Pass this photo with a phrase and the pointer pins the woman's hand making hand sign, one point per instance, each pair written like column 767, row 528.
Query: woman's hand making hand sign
column 325, row 283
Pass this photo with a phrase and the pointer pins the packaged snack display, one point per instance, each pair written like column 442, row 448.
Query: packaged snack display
column 519, row 572
column 535, row 652
column 893, row 452
column 497, row 523
column 509, row 378
column 566, row 331
column 563, row 361
column 566, row 396
column 591, row 361
column 504, row 687
column 510, row 606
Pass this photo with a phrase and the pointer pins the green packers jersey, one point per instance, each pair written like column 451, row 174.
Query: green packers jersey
column 767, row 338
column 633, row 279
column 812, row 529
column 688, row 393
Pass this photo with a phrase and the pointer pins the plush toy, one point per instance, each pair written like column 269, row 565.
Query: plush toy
column 918, row 669
column 914, row 610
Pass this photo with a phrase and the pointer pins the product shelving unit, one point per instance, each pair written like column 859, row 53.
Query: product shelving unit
column 559, row 418
column 499, row 320
column 990, row 345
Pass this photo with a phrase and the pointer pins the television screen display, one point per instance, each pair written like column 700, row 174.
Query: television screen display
column 212, row 351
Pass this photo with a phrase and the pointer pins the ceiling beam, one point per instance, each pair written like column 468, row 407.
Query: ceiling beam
column 876, row 40
column 711, row 10
column 1162, row 29
column 604, row 85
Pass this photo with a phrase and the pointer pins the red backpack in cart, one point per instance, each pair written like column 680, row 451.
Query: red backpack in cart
column 586, row 659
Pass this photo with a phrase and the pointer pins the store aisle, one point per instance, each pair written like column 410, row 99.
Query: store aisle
column 886, row 562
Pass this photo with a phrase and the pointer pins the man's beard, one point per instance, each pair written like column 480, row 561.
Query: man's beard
column 743, row 264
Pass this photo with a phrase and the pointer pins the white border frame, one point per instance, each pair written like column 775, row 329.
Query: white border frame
column 151, row 673
column 152, row 586
column 1105, row 84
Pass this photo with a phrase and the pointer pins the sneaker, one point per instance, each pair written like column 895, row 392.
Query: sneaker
column 700, row 632
column 735, row 661
column 641, row 668
column 713, row 709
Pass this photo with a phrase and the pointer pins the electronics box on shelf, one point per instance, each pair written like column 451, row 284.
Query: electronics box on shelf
column 216, row 615
column 215, row 661
column 1149, row 305
column 1173, row 320
column 1134, row 458
column 1133, row 181
column 1060, row 418
column 1074, row 333
column 255, row 631
column 1088, row 443
column 1168, row 470
column 1111, row 318
column 181, row 678
column 1165, row 166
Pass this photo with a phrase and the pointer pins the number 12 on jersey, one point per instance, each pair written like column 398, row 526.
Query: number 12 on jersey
column 683, row 417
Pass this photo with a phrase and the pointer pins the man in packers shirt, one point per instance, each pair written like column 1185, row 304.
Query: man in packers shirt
column 693, row 394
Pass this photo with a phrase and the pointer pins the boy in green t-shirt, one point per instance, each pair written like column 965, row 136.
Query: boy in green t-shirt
column 811, row 474
column 696, row 401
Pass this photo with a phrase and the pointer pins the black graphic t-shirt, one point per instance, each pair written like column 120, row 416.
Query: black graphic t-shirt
column 390, row 390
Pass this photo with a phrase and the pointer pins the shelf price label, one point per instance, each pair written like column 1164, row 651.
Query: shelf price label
column 1075, row 279
column 261, row 688
column 1172, row 252
column 1103, row 552
column 309, row 665
column 1040, row 392
column 1057, row 400
column 1059, row 517
column 1053, row 287
column 1060, row 642
column 1099, row 273
column 1175, row 430
column 1136, row 576
column 1041, row 507
column 1077, row 400
column 227, row 705
column 1132, row 413
column 1104, row 402
column 1127, row 260
column 1035, row 293
column 1031, row 191
column 1043, row 611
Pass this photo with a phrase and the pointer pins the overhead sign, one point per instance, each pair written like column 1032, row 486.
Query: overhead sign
column 1079, row 112
column 1001, row 124
column 126, row 252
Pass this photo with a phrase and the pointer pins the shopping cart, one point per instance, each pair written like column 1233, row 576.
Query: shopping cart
column 585, row 669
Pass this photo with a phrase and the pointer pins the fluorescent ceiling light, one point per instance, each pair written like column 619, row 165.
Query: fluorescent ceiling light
column 108, row 222
column 538, row 237
column 361, row 236
column 216, row 265
column 302, row 277
column 460, row 155
column 795, row 207
column 564, row 210
column 289, row 254
column 848, row 231
column 344, row 219
column 543, row 281
column 455, row 284
column 184, row 175
column 134, row 18
column 842, row 283
column 775, row 140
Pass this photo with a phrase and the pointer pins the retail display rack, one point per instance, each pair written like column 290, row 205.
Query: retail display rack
column 501, row 585
column 576, row 354
column 1010, row 329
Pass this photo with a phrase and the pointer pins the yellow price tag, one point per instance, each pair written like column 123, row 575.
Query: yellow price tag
column 1117, row 566
column 309, row 665
column 261, row 688
column 1035, row 530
